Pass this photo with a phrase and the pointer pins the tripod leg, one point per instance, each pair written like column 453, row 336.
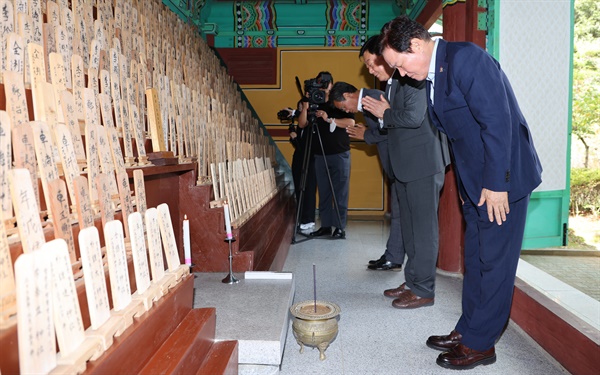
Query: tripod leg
column 305, row 168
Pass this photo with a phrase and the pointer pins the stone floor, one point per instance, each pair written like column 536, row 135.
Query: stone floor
column 580, row 272
column 375, row 338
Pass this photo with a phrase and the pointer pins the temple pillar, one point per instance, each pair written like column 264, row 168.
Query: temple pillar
column 460, row 24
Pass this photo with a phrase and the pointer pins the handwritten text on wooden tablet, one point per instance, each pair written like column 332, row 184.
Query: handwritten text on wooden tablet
column 138, row 250
column 93, row 276
column 154, row 244
column 67, row 313
column 35, row 327
column 26, row 210
column 117, row 264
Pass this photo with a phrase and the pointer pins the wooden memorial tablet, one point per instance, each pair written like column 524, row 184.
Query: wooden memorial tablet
column 35, row 327
column 94, row 55
column 107, row 211
column 35, row 53
column 26, row 210
column 105, row 86
column 58, row 74
column 146, row 292
column 72, row 121
column 123, row 305
column 169, row 243
column 67, row 157
column 78, row 79
column 140, row 191
column 65, row 50
column 115, row 148
column 155, row 120
column 93, row 82
column 8, row 298
column 127, row 144
column 42, row 139
column 102, row 324
column 5, row 166
column 83, row 202
column 25, row 30
column 61, row 215
column 91, row 141
column 215, row 182
column 125, row 197
column 75, row 347
column 157, row 267
column 106, row 159
column 7, row 19
column 139, row 135
column 15, row 53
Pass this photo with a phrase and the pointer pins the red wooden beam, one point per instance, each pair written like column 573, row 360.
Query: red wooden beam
column 430, row 13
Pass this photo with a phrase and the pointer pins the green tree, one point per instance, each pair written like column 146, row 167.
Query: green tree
column 586, row 74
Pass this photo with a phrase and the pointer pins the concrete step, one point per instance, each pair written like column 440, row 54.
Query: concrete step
column 186, row 348
column 221, row 359
column 254, row 312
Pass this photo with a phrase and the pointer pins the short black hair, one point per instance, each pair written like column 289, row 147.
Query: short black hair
column 322, row 74
column 339, row 89
column 371, row 46
column 398, row 33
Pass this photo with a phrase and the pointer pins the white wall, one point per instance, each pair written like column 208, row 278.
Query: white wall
column 535, row 49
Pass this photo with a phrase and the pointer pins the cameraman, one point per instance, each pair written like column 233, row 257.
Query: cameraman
column 332, row 158
column 298, row 139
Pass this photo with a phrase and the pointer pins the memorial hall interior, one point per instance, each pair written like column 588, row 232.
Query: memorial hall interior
column 148, row 207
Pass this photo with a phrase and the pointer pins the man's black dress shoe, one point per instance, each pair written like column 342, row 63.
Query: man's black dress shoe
column 339, row 234
column 386, row 265
column 444, row 342
column 323, row 231
column 382, row 259
column 460, row 357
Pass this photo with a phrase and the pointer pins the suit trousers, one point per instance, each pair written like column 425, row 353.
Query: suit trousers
column 394, row 250
column 419, row 201
column 491, row 256
column 338, row 167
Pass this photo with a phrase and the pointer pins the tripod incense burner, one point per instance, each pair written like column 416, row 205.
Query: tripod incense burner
column 316, row 329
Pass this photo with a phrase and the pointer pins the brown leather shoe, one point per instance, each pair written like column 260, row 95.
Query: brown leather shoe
column 460, row 357
column 444, row 342
column 409, row 300
column 395, row 293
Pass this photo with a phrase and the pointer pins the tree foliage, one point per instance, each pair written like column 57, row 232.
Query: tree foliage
column 587, row 19
column 586, row 72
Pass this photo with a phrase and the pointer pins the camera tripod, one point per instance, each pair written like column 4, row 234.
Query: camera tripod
column 312, row 128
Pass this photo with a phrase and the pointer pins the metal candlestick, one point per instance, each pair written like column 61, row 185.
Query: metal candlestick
column 230, row 279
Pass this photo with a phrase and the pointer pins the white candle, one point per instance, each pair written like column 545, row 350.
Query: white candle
column 227, row 221
column 187, row 251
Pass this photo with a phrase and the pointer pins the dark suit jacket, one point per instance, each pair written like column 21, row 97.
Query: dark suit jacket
column 476, row 107
column 375, row 135
column 417, row 149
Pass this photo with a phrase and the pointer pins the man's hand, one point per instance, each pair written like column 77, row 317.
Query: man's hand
column 376, row 107
column 497, row 204
column 357, row 131
column 322, row 114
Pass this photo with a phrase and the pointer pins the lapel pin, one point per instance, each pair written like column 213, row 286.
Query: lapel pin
column 441, row 69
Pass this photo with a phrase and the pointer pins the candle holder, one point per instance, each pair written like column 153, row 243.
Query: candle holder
column 230, row 278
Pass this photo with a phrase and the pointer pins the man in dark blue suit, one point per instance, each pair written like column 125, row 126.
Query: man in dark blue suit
column 497, row 168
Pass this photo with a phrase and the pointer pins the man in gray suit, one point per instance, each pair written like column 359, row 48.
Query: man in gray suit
column 345, row 94
column 419, row 161
column 418, row 157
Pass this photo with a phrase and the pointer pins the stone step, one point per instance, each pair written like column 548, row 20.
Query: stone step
column 255, row 312
column 186, row 348
column 221, row 359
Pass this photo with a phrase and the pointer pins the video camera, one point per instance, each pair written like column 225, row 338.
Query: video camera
column 313, row 88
